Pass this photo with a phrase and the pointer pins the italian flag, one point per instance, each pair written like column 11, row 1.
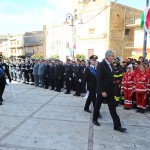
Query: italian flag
column 145, row 19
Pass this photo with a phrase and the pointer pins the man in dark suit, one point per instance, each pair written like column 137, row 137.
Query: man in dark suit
column 105, row 87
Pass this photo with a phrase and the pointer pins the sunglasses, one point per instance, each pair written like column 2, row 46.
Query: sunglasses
column 128, row 68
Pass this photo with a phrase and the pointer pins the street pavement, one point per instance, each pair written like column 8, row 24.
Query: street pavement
column 32, row 118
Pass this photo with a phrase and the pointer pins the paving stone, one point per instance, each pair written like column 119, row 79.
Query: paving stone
column 40, row 119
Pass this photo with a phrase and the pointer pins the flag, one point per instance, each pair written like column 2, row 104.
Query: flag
column 142, row 20
column 145, row 19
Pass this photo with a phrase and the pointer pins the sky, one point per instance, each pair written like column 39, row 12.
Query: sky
column 18, row 16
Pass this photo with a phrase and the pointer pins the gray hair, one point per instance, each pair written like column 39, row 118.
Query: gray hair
column 109, row 53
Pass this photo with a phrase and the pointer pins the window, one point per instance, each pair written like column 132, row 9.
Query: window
column 127, row 31
column 91, row 31
column 90, row 52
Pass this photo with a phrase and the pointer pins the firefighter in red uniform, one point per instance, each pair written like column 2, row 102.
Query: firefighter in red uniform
column 127, row 87
column 142, row 82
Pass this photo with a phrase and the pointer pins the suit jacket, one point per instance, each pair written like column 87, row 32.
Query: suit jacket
column 90, row 78
column 104, row 79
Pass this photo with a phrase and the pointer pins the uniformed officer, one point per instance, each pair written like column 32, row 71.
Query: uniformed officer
column 46, row 74
column 89, row 77
column 31, row 72
column 52, row 78
column 35, row 73
column 23, row 71
column 68, row 76
column 3, row 71
column 78, row 74
column 27, row 71
column 41, row 73
column 18, row 69
column 58, row 75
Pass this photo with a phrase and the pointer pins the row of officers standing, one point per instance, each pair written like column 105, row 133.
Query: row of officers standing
column 76, row 76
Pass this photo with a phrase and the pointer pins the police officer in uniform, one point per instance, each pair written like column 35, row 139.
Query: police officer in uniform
column 68, row 76
column 23, row 71
column 31, row 72
column 18, row 70
column 78, row 75
column 52, row 77
column 27, row 71
column 58, row 75
column 35, row 73
column 89, row 77
column 46, row 74
column 4, row 70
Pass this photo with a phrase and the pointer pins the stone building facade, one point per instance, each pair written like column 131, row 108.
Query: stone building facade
column 102, row 26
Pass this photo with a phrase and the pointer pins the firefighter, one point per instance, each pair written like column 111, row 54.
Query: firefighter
column 118, row 74
column 142, row 86
column 127, row 87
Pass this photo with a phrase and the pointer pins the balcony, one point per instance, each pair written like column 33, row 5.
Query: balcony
column 133, row 22
column 129, row 45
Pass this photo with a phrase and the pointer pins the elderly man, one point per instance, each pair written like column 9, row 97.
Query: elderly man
column 105, row 87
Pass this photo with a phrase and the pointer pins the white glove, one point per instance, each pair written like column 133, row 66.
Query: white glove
column 70, row 79
column 80, row 80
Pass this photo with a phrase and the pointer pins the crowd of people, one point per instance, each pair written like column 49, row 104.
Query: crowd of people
column 131, row 78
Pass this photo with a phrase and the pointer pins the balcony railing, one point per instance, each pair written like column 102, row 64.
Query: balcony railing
column 130, row 21
column 133, row 22
column 129, row 44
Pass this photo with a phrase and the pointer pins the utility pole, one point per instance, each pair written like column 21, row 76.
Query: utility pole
column 145, row 35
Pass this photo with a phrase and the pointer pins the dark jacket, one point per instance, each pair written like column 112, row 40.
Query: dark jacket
column 90, row 79
column 104, row 79
column 68, row 71
column 5, row 68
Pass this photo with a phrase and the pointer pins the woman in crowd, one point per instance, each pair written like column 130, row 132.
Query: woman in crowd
column 142, row 81
column 128, row 87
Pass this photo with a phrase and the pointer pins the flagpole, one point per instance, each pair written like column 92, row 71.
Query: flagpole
column 145, row 35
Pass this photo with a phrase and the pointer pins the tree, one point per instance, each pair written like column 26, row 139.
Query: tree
column 37, row 56
column 55, row 56
column 80, row 56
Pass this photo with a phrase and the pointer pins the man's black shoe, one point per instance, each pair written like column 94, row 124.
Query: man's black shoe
column 120, row 129
column 0, row 102
column 126, row 108
column 142, row 111
column 138, row 110
column 52, row 89
column 87, row 110
column 67, row 93
column 96, row 123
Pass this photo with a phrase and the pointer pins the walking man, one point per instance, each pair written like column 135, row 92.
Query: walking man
column 105, row 87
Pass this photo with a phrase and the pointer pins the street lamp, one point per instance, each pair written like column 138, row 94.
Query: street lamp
column 69, row 16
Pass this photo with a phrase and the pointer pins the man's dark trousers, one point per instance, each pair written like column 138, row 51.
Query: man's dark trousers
column 112, row 108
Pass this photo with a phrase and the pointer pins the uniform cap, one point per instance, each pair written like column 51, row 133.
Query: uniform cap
column 68, row 59
column 93, row 57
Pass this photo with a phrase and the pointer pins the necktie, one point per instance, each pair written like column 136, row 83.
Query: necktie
column 110, row 67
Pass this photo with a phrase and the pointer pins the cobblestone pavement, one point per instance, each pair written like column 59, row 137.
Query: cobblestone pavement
column 40, row 119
